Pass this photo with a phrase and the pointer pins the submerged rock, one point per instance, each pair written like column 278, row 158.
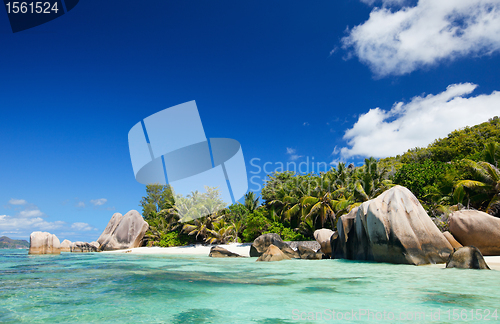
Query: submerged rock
column 220, row 252
column 262, row 243
column 391, row 228
column 322, row 236
column 273, row 253
column 472, row 227
column 44, row 243
column 309, row 254
column 123, row 232
column 66, row 246
column 467, row 257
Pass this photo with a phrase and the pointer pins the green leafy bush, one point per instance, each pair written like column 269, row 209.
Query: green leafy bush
column 173, row 239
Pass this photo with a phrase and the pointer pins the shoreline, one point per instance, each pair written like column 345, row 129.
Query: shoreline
column 243, row 249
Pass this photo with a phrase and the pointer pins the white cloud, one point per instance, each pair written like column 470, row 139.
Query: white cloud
column 80, row 204
column 30, row 213
column 293, row 153
column 305, row 124
column 380, row 133
column 98, row 202
column 82, row 227
column 396, row 42
column 9, row 223
column 13, row 201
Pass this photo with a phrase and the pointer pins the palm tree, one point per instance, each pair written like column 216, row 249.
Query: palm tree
column 251, row 201
column 371, row 181
column 221, row 232
column 485, row 187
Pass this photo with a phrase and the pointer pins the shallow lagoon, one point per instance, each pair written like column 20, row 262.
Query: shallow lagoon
column 130, row 288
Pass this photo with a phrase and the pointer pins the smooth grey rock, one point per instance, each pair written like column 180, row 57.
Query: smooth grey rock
column 467, row 257
column 83, row 247
column 220, row 252
column 392, row 228
column 473, row 227
column 44, row 243
column 322, row 236
column 273, row 253
column 123, row 232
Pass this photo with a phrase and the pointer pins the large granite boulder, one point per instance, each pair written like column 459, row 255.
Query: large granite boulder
column 123, row 232
column 273, row 253
column 83, row 247
column 472, row 227
column 391, row 228
column 66, row 246
column 262, row 243
column 309, row 254
column 322, row 236
column 220, row 252
column 44, row 243
column 454, row 243
column 467, row 257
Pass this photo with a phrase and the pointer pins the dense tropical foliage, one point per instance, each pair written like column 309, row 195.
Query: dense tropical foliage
column 459, row 171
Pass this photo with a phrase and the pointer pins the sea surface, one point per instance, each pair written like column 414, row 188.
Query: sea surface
column 130, row 288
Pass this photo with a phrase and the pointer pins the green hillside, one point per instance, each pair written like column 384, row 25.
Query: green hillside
column 8, row 243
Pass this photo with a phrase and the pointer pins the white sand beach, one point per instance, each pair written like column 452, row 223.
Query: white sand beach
column 242, row 249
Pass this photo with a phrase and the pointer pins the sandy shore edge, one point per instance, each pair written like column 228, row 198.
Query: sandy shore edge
column 243, row 249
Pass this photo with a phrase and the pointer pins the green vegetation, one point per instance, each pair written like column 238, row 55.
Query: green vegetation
column 459, row 170
column 8, row 243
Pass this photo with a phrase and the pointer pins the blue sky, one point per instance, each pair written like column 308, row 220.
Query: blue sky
column 290, row 80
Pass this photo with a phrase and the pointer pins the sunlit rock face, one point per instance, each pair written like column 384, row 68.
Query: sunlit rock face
column 322, row 236
column 473, row 227
column 273, row 253
column 44, row 243
column 123, row 232
column 262, row 243
column 393, row 228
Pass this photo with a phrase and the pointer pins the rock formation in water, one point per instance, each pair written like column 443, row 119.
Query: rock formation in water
column 220, row 252
column 472, row 227
column 262, row 243
column 309, row 254
column 83, row 247
column 66, row 246
column 391, row 228
column 123, row 232
column 467, row 257
column 273, row 253
column 322, row 236
column 44, row 243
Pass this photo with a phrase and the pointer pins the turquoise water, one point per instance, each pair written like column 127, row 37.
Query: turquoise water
column 126, row 288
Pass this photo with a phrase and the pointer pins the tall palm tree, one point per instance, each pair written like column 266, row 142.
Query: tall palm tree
column 251, row 201
column 485, row 188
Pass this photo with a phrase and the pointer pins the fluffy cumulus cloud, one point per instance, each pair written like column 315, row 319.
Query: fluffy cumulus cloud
column 98, row 202
column 82, row 227
column 381, row 133
column 399, row 41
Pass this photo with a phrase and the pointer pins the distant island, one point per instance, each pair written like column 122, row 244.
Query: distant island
column 8, row 243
